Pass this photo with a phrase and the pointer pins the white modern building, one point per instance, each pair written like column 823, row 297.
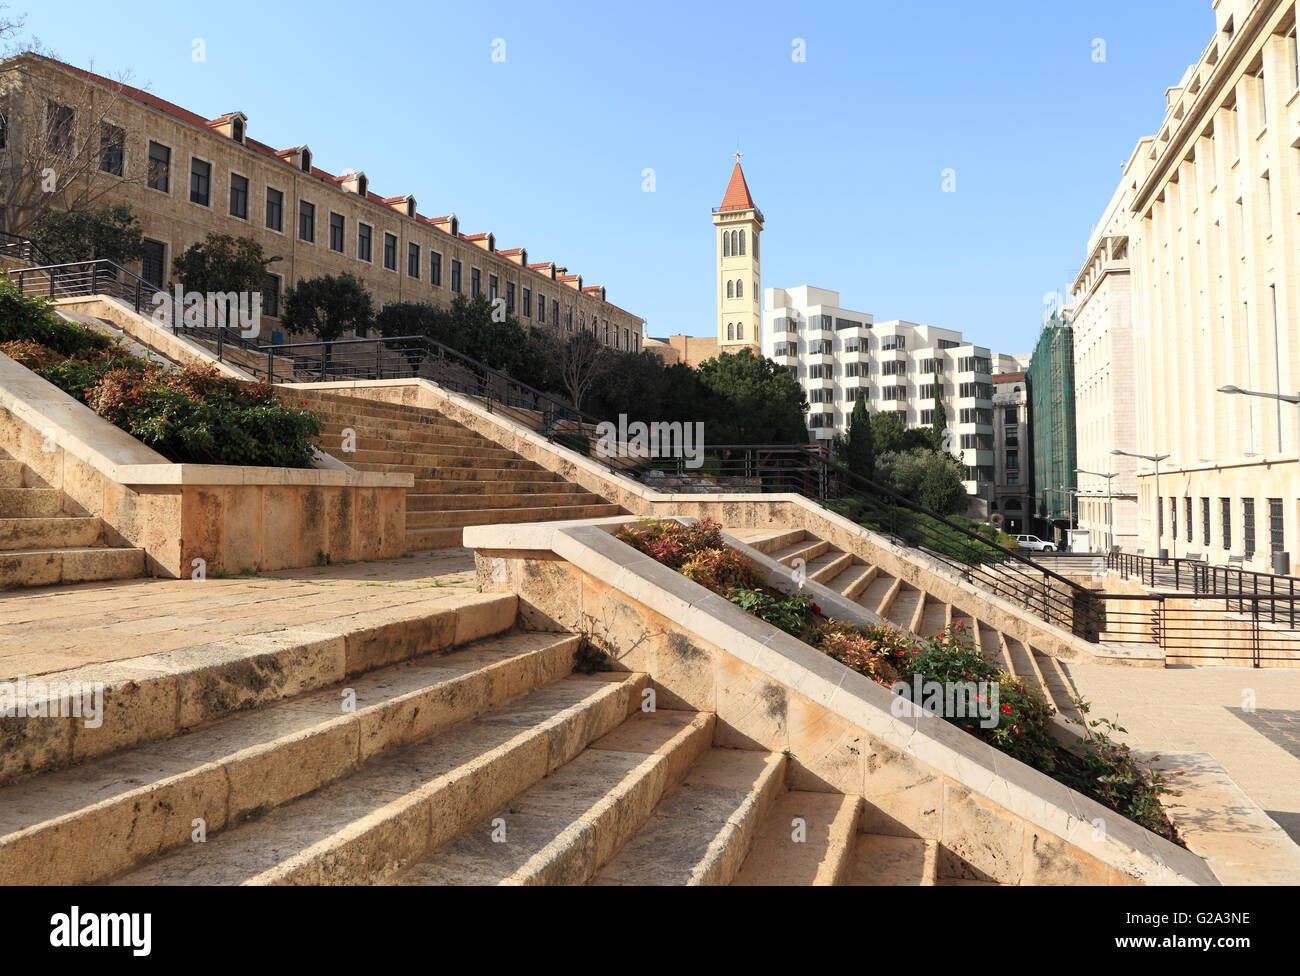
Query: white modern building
column 840, row 355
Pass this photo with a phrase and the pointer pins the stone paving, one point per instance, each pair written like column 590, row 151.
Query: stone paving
column 1201, row 710
column 51, row 628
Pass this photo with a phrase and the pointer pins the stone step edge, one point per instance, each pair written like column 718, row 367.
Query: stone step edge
column 271, row 773
column 157, row 696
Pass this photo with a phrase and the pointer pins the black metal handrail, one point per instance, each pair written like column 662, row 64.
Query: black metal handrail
column 1203, row 579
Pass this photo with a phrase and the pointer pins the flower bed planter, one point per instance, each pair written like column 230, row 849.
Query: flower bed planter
column 978, row 697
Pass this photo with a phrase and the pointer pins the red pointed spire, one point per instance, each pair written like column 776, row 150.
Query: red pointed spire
column 737, row 196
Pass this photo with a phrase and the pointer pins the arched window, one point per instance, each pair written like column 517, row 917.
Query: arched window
column 726, row 244
column 740, row 288
column 742, row 242
column 729, row 288
column 740, row 330
column 734, row 245
column 731, row 331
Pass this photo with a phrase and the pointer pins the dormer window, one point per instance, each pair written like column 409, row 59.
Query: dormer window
column 305, row 160
column 363, row 185
column 410, row 206
column 237, row 130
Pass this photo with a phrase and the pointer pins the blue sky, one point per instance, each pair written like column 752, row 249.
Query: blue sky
column 843, row 151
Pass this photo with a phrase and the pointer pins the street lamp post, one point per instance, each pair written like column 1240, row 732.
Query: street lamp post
column 1281, row 560
column 1110, row 515
column 1155, row 459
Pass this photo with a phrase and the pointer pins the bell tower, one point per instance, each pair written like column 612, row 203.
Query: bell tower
column 737, row 225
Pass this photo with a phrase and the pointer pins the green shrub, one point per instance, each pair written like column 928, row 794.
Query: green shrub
column 25, row 318
column 793, row 614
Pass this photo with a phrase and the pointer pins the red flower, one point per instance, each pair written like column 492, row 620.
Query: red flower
column 817, row 610
column 1006, row 709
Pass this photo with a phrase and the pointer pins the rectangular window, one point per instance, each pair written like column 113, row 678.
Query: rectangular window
column 1276, row 527
column 455, row 276
column 1173, row 518
column 239, row 196
column 475, row 282
column 306, row 221
column 365, row 236
column 336, row 232
column 153, row 263
column 59, row 129
column 412, row 260
column 271, row 296
column 1187, row 516
column 510, row 296
column 200, row 181
column 274, row 209
column 528, row 303
column 435, row 268
column 555, row 311
column 112, row 146
column 1248, row 526
column 1205, row 522
column 541, row 308
column 1225, row 517
column 390, row 251
column 493, row 284
column 568, row 317
column 1160, row 520
column 1013, row 460
column 927, row 417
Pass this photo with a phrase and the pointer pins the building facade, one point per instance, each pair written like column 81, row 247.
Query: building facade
column 840, row 355
column 185, row 176
column 1012, row 502
column 1215, row 244
column 1050, row 386
column 1105, row 407
column 738, row 225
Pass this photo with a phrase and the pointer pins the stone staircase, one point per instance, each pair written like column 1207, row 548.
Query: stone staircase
column 461, row 477
column 910, row 608
column 41, row 543
column 491, row 763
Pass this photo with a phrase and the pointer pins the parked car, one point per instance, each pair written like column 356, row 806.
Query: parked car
column 1034, row 543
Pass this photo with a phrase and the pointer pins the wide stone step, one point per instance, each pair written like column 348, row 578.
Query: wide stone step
column 41, row 567
column 934, row 618
column 30, row 502
column 569, row 824
column 437, row 456
column 445, row 475
column 442, row 463
column 428, row 504
column 334, row 441
column 49, row 533
column 496, row 516
column 397, row 809
column 422, row 540
column 701, row 832
column 882, row 859
column 828, row 565
column 806, row 839
column 464, row 486
column 805, row 549
column 876, row 591
column 853, row 579
column 81, row 825
column 767, row 540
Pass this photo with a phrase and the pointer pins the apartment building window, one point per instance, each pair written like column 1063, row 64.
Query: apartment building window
column 510, row 296
column 412, row 260
column 455, row 277
column 1187, row 516
column 893, row 393
column 1225, row 521
column 1293, row 54
column 927, row 391
column 948, row 343
column 1013, row 460
column 847, row 324
column 160, row 164
column 1260, row 101
column 493, row 285
column 271, row 296
column 1205, row 522
column 893, row 342
column 435, row 268
column 850, row 345
column 528, row 303
column 541, row 308
column 1248, row 526
column 475, row 282
column 927, row 417
column 1276, row 528
column 274, row 209
column 820, row 371
column 390, row 251
column 824, row 347
column 153, row 262
column 931, row 366
column 200, row 181
column 364, row 238
column 59, row 129
column 555, row 310
column 112, row 147
column 336, row 232
column 306, row 221
column 1173, row 518
column 1013, row 479
column 852, row 369
column 892, row 367
column 239, row 196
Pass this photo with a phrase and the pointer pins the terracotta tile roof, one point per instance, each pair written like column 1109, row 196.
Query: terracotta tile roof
column 513, row 250
column 269, row 152
column 1008, row 377
column 737, row 196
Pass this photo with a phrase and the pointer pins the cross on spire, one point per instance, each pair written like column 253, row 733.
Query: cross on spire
column 738, row 154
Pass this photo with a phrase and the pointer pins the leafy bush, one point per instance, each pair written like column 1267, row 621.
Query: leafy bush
column 671, row 542
column 720, row 570
column 29, row 319
column 793, row 614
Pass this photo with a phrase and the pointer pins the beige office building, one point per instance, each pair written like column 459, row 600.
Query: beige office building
column 185, row 175
column 1104, row 394
column 1214, row 251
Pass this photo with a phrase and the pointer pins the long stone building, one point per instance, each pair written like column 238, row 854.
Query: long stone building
column 185, row 175
column 1215, row 251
